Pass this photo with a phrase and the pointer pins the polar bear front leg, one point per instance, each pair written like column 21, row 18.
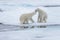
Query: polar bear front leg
column 44, row 20
column 40, row 20
column 31, row 20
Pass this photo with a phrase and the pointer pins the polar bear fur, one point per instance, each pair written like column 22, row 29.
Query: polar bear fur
column 26, row 17
column 42, row 16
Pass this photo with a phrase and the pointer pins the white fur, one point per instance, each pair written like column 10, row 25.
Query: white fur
column 42, row 16
column 24, row 18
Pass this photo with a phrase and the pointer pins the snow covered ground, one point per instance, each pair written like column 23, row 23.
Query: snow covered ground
column 49, row 33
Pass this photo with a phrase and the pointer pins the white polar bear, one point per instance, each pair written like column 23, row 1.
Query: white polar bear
column 24, row 18
column 42, row 15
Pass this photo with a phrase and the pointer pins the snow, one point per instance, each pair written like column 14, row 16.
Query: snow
column 48, row 33
column 14, row 32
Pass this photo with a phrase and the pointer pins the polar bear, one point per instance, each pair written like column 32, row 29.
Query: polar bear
column 26, row 17
column 42, row 15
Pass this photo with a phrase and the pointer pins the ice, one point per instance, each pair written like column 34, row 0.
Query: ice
column 49, row 33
